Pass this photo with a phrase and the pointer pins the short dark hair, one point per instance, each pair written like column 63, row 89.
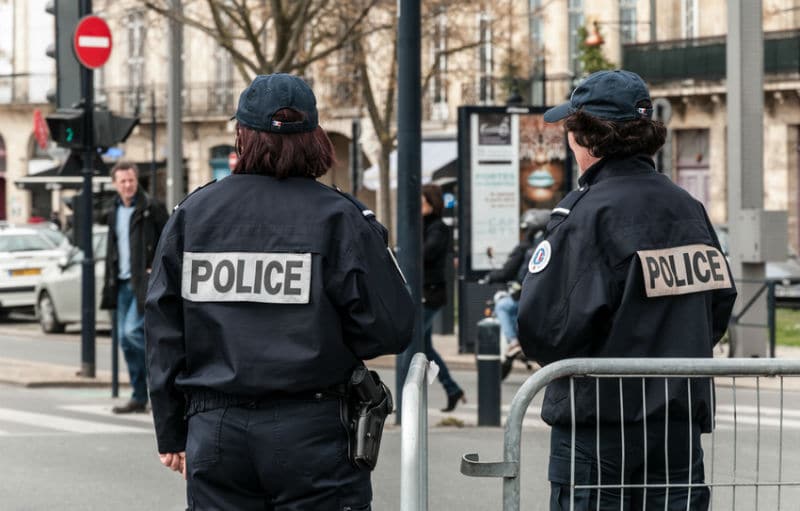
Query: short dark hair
column 433, row 194
column 618, row 139
column 284, row 155
column 124, row 165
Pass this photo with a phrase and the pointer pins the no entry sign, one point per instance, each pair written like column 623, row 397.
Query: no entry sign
column 92, row 42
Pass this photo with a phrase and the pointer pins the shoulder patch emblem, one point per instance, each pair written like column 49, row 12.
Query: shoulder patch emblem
column 541, row 257
column 683, row 270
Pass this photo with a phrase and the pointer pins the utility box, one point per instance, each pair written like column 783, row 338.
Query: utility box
column 762, row 236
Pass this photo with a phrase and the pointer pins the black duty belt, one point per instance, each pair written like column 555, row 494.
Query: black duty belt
column 204, row 400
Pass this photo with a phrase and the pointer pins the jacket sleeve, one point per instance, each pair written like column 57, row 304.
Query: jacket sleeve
column 164, row 340
column 510, row 268
column 375, row 307
column 563, row 306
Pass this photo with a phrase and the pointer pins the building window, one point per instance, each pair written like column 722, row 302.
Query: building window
column 693, row 170
column 135, row 62
column 485, row 59
column 576, row 21
column 689, row 18
column 627, row 21
column 223, row 80
column 439, row 54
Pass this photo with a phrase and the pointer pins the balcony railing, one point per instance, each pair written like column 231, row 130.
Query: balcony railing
column 704, row 58
column 25, row 88
column 201, row 100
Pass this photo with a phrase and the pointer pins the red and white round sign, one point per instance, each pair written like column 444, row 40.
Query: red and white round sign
column 92, row 42
column 233, row 159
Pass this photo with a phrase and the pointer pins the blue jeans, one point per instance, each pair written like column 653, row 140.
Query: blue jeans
column 130, row 332
column 450, row 386
column 506, row 309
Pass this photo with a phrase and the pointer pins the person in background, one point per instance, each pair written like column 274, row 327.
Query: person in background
column 514, row 270
column 135, row 221
column 436, row 255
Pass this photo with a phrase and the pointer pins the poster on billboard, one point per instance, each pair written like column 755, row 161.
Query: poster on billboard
column 510, row 161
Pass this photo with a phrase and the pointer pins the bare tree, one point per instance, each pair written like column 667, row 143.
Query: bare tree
column 378, row 77
column 271, row 36
column 292, row 36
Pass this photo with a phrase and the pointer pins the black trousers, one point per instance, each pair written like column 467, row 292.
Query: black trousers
column 640, row 450
column 285, row 455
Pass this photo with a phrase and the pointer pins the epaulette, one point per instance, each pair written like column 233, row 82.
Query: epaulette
column 193, row 192
column 360, row 205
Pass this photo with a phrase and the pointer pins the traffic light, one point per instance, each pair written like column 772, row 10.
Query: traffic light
column 68, row 72
column 110, row 129
column 66, row 128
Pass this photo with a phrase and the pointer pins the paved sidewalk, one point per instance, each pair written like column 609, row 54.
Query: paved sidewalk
column 34, row 373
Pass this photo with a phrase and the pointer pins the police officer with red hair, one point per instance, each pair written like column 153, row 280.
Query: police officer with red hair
column 268, row 291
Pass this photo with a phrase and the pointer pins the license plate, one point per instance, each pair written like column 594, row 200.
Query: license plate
column 25, row 272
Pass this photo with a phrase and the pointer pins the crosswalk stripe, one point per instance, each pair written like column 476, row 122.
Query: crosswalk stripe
column 42, row 420
column 103, row 410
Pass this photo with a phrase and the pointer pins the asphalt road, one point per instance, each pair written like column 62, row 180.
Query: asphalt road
column 63, row 449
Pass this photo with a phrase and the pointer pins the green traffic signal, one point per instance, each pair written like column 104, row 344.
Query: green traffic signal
column 70, row 134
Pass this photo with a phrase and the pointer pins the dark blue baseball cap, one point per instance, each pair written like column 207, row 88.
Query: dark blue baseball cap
column 269, row 93
column 611, row 95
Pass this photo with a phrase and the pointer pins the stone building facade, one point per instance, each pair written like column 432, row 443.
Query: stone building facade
column 472, row 53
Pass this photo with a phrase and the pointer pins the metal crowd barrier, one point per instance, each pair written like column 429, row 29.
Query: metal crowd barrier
column 414, row 444
column 648, row 369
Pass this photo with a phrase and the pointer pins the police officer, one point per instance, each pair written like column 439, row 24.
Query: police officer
column 629, row 267
column 268, row 289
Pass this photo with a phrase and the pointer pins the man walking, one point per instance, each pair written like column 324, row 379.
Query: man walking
column 135, row 221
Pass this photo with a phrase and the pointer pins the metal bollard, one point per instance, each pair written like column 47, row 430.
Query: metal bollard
column 488, row 358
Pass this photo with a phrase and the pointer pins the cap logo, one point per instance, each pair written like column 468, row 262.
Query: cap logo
column 277, row 124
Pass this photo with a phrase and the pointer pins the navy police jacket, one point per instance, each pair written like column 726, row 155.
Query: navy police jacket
column 630, row 267
column 263, row 286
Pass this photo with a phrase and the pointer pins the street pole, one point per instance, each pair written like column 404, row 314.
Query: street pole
column 409, row 140
column 174, row 122
column 153, row 170
column 755, row 235
column 653, row 33
column 87, row 266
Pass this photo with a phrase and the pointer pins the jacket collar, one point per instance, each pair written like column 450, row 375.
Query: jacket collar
column 616, row 167
column 139, row 200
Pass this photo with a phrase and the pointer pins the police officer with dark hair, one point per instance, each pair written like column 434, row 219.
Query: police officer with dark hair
column 267, row 292
column 629, row 267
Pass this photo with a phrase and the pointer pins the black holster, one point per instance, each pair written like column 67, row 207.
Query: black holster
column 370, row 403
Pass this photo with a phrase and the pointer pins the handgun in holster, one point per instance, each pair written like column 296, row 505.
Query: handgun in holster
column 371, row 402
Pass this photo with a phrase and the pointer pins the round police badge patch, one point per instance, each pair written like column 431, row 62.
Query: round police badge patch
column 541, row 257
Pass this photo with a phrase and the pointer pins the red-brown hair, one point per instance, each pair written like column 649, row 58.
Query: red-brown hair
column 284, row 155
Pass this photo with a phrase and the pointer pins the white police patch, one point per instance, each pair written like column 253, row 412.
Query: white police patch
column 541, row 257
column 246, row 277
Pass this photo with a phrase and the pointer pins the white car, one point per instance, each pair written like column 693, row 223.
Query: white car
column 25, row 254
column 58, row 294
